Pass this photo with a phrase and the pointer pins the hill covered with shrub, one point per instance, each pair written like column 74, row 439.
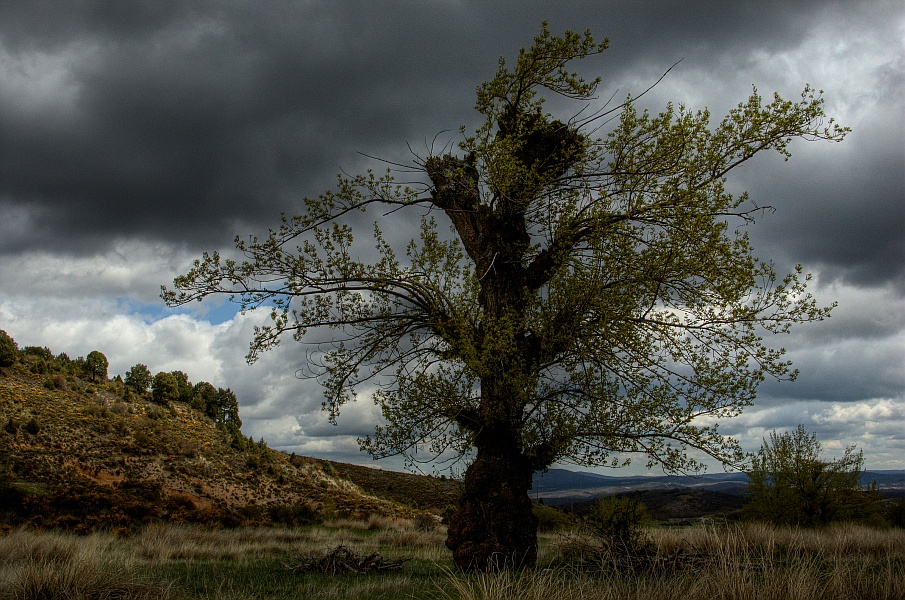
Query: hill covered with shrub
column 79, row 450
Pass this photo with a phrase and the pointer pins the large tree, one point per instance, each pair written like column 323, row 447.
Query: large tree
column 595, row 297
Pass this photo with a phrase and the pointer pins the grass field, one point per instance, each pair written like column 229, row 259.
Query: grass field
column 182, row 563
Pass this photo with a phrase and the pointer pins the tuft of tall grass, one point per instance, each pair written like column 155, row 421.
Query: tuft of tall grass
column 54, row 566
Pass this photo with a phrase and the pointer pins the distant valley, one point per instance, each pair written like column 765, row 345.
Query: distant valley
column 558, row 487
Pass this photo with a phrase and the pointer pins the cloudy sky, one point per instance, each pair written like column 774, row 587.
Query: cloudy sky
column 135, row 135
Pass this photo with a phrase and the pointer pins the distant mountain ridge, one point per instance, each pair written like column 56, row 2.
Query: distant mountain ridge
column 562, row 486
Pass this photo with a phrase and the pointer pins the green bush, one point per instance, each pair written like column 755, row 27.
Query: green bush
column 619, row 519
column 551, row 519
column 293, row 515
column 895, row 512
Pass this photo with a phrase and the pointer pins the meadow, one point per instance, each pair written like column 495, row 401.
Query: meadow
column 179, row 562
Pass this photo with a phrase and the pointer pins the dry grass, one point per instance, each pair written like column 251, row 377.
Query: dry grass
column 751, row 562
column 180, row 563
column 51, row 566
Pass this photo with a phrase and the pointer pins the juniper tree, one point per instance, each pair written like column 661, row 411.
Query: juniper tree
column 138, row 378
column 9, row 350
column 164, row 388
column 596, row 295
column 96, row 365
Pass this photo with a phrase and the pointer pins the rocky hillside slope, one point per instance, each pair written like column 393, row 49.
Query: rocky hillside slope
column 79, row 454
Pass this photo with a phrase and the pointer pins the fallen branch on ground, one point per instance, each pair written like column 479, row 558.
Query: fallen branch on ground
column 342, row 560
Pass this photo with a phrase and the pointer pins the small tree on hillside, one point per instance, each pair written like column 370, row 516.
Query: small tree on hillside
column 185, row 386
column 224, row 409
column 138, row 379
column 96, row 365
column 164, row 388
column 792, row 485
column 585, row 298
column 203, row 395
column 9, row 350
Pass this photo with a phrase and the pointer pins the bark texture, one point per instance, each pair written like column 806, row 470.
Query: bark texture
column 494, row 527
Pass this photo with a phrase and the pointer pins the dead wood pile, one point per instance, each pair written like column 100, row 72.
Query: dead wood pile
column 342, row 560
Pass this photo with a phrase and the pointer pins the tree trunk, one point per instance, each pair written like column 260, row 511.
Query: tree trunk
column 494, row 527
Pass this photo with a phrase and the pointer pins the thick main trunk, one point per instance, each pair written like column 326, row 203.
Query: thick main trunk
column 494, row 527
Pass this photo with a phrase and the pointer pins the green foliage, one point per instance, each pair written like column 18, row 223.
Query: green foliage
column 9, row 350
column 203, row 395
column 792, row 485
column 551, row 519
column 219, row 404
column 164, row 388
column 57, row 381
column 96, row 365
column 606, row 284
column 293, row 515
column 895, row 512
column 598, row 297
column 224, row 409
column 138, row 379
column 186, row 391
column 618, row 519
column 40, row 352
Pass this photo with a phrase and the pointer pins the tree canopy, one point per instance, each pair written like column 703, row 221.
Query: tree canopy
column 96, row 365
column 9, row 350
column 139, row 378
column 580, row 289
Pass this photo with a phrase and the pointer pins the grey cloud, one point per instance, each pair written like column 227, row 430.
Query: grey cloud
column 163, row 128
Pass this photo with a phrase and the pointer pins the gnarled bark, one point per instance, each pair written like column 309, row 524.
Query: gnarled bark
column 494, row 527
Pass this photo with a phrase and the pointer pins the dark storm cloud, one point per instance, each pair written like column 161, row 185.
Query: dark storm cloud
column 841, row 213
column 184, row 126
column 192, row 121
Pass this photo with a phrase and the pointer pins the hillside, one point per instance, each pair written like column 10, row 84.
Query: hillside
column 79, row 454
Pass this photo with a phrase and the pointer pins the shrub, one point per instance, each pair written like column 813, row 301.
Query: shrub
column 32, row 427
column 618, row 519
column 550, row 519
column 895, row 512
column 293, row 515
column 57, row 381
column 42, row 353
column 424, row 522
